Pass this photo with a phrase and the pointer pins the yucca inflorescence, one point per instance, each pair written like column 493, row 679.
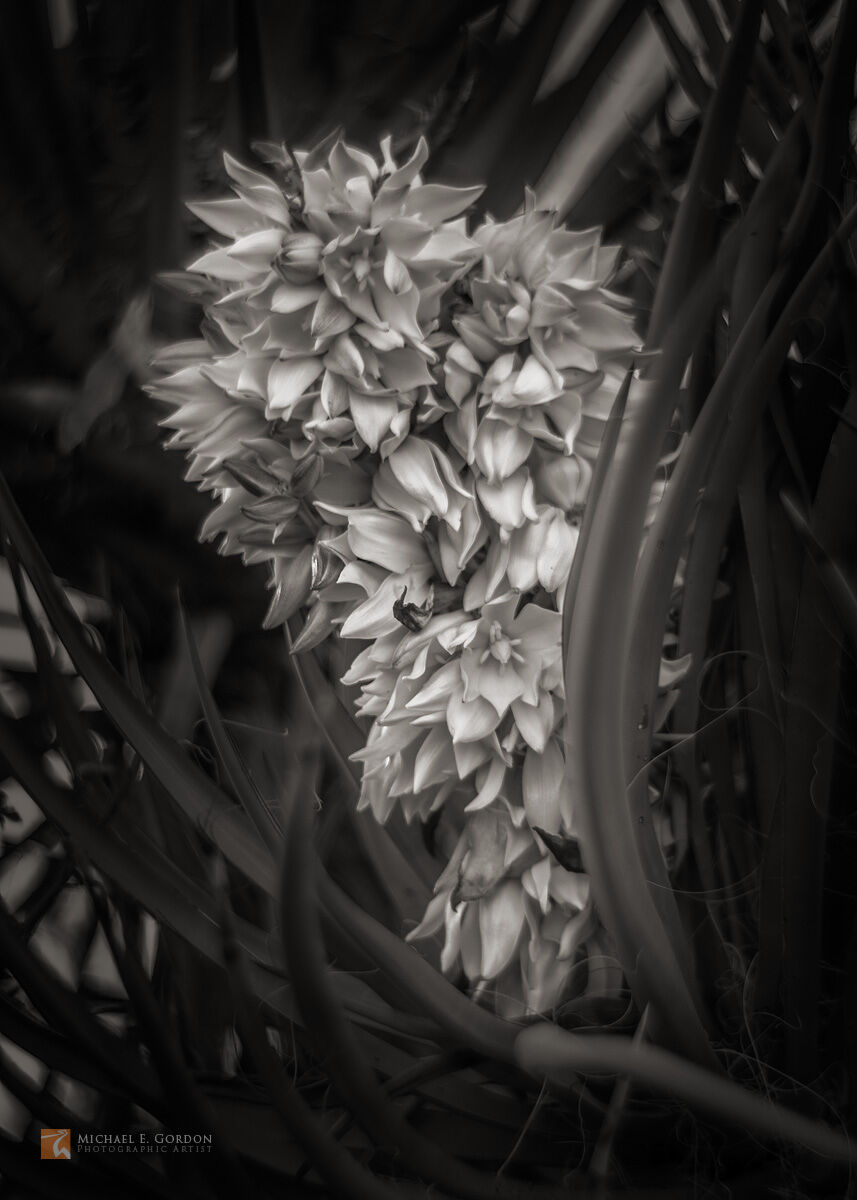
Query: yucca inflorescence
column 401, row 416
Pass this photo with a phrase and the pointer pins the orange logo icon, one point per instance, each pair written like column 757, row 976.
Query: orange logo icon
column 56, row 1143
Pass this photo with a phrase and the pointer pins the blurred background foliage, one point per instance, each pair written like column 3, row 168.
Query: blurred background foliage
column 115, row 112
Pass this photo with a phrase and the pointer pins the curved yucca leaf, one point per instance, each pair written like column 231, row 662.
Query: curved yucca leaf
column 603, row 463
column 400, row 863
column 656, row 572
column 740, row 392
column 568, row 1053
column 839, row 586
column 691, row 236
column 333, row 1162
column 67, row 1012
column 462, row 1023
column 531, row 141
column 151, row 878
column 203, row 803
column 646, row 927
column 739, row 396
column 54, row 1049
column 139, row 867
column 794, row 866
column 830, row 131
column 323, row 1016
column 254, row 803
column 761, row 232
column 72, row 733
column 711, row 521
column 555, row 1054
column 185, row 1099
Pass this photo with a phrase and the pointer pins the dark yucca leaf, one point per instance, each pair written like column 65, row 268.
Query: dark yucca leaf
column 555, row 1054
column 502, row 94
column 711, row 516
column 186, row 1101
column 840, row 587
column 794, row 870
column 329, row 1028
column 754, row 133
column 647, row 930
column 690, row 243
column 741, row 391
column 255, row 805
column 332, row 1161
column 401, row 866
column 545, row 1049
column 68, row 1014
column 138, row 866
column 153, row 879
column 532, row 139
column 54, row 1049
column 830, row 137
column 686, row 69
column 200, row 799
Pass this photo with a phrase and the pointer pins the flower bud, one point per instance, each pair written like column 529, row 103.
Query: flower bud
column 501, row 449
column 306, row 475
column 461, row 372
column 318, row 625
column 253, row 477
column 326, row 563
column 292, row 589
column 563, row 481
column 483, row 864
column 299, row 258
column 271, row 510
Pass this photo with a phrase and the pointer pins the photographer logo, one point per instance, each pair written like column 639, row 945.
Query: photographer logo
column 56, row 1143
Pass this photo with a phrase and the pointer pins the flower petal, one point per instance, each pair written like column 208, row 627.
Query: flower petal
column 501, row 449
column 542, row 783
column 511, row 501
column 330, row 316
column 292, row 297
column 416, row 470
column 230, row 217
column 404, row 369
column 501, row 921
column 375, row 616
column 557, row 552
column 534, row 384
column 434, row 761
column 373, row 416
column 490, row 782
column 385, row 539
column 468, row 722
column 289, row 379
column 435, row 202
column 535, row 721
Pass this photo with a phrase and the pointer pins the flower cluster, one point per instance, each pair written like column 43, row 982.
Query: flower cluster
column 400, row 416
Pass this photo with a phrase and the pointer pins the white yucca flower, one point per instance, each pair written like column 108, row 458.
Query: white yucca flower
column 401, row 416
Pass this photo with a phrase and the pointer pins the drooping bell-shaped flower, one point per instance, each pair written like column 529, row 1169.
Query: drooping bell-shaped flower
column 400, row 415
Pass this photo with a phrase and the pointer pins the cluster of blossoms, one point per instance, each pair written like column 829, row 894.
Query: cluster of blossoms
column 400, row 415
